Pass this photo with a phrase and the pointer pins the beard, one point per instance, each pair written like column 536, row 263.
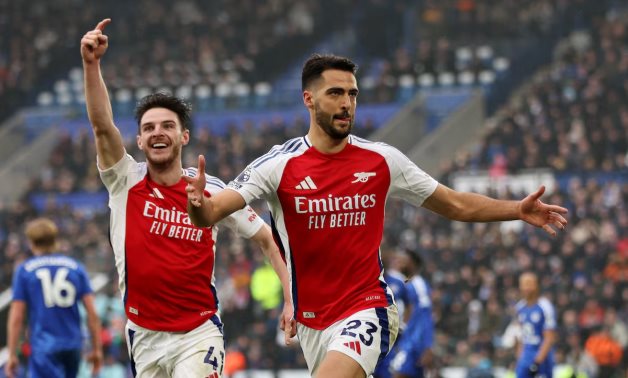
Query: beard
column 326, row 122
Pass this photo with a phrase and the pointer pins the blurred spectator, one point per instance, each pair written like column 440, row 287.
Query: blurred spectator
column 607, row 353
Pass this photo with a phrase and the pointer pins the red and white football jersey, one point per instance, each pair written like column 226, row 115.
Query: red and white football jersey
column 165, row 263
column 328, row 212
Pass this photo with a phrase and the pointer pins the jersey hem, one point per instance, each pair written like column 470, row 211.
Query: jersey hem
column 187, row 327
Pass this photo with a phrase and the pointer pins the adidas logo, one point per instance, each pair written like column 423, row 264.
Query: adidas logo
column 354, row 346
column 156, row 193
column 306, row 184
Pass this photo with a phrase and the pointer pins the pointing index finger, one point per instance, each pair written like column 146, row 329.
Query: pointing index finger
column 201, row 165
column 102, row 24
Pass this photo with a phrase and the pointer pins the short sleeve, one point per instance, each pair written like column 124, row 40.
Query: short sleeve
column 408, row 181
column 19, row 284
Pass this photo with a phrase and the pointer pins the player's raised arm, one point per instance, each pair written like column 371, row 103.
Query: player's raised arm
column 473, row 207
column 206, row 211
column 109, row 145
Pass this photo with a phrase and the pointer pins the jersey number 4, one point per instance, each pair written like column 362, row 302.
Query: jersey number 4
column 57, row 290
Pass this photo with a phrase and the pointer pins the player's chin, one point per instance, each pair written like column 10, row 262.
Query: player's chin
column 160, row 159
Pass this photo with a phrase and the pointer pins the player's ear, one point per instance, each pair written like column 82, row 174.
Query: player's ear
column 308, row 99
column 185, row 137
column 139, row 142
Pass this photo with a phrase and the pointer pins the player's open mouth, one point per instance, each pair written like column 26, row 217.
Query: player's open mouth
column 159, row 145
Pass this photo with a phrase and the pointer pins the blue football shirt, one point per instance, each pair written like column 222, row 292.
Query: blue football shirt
column 51, row 286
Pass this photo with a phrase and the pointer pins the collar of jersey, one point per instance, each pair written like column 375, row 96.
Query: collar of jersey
column 308, row 143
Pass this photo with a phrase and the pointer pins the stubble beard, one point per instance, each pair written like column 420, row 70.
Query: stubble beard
column 163, row 163
column 326, row 122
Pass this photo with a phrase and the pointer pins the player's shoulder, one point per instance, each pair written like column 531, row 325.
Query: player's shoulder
column 52, row 260
column 520, row 305
column 396, row 276
column 379, row 147
column 418, row 284
column 390, row 153
column 210, row 180
column 545, row 304
column 282, row 152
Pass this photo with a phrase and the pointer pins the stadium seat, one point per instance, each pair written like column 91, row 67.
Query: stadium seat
column 142, row 92
column 242, row 92
column 486, row 78
column 406, row 87
column 62, row 86
column 466, row 78
column 446, row 79
column 184, row 91
column 223, row 91
column 261, row 92
column 463, row 57
column 202, row 95
column 45, row 99
column 123, row 101
column 484, row 54
column 64, row 98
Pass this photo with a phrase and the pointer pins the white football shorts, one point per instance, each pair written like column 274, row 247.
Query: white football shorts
column 197, row 353
column 365, row 336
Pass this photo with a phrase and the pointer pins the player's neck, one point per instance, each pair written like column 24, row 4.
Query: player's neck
column 532, row 301
column 42, row 251
column 166, row 176
column 324, row 143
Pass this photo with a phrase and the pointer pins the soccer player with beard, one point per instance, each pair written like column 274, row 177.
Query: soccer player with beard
column 327, row 192
column 165, row 263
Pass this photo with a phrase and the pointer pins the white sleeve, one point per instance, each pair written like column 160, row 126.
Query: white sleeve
column 408, row 181
column 548, row 314
column 116, row 177
column 244, row 222
column 259, row 181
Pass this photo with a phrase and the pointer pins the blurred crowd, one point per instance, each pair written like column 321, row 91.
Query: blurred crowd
column 156, row 43
column 221, row 45
column 572, row 118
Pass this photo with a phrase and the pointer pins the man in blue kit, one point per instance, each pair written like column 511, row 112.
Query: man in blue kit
column 49, row 286
column 414, row 352
column 538, row 331
column 397, row 282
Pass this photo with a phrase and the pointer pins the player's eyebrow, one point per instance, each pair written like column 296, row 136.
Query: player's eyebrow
column 342, row 90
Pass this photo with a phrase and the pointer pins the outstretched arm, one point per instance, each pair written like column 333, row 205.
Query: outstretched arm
column 109, row 145
column 264, row 239
column 473, row 207
column 206, row 211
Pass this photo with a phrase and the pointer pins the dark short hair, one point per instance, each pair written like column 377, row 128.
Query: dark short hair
column 165, row 100
column 318, row 63
column 416, row 258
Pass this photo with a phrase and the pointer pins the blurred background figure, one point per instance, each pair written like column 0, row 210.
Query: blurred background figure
column 49, row 287
column 538, row 330
column 414, row 356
